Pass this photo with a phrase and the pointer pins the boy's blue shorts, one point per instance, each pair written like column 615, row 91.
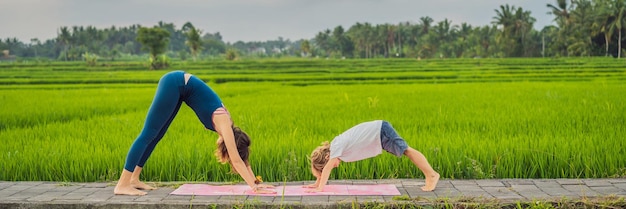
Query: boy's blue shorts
column 390, row 140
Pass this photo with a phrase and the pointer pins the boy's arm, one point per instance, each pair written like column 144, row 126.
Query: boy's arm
column 317, row 179
column 317, row 182
column 332, row 163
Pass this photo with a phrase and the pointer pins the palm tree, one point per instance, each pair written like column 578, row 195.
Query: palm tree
column 602, row 22
column 341, row 42
column 516, row 24
column 378, row 40
column 355, row 33
column 322, row 40
column 444, row 38
column 34, row 44
column 618, row 22
column 419, row 36
column 581, row 17
column 367, row 34
column 561, row 13
column 504, row 18
column 306, row 48
column 63, row 38
column 187, row 26
column 464, row 32
column 426, row 23
column 611, row 18
column 523, row 26
column 487, row 38
column 549, row 33
column 388, row 34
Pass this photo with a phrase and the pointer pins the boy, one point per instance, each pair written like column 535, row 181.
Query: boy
column 363, row 141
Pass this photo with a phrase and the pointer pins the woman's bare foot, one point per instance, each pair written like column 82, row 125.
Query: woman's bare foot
column 141, row 186
column 310, row 186
column 127, row 190
column 431, row 182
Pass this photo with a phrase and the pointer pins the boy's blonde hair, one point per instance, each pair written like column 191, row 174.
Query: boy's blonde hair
column 319, row 156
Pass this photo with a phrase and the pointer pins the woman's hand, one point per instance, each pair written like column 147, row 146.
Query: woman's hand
column 260, row 190
column 262, row 186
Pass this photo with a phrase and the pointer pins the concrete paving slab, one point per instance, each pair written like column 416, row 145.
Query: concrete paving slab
column 534, row 195
column 502, row 193
column 519, row 181
column 570, row 181
column 547, row 183
column 100, row 194
column 606, row 190
column 598, row 183
column 464, row 183
column 621, row 186
column 444, row 184
column 489, row 183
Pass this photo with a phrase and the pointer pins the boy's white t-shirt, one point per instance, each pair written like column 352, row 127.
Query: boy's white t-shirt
column 357, row 143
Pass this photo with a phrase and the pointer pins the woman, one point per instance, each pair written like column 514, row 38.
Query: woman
column 174, row 88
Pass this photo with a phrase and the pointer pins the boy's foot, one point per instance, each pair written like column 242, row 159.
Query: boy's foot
column 127, row 190
column 431, row 182
column 141, row 186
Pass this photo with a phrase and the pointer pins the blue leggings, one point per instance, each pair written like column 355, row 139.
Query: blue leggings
column 170, row 94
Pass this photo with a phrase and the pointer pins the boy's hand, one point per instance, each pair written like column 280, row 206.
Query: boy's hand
column 313, row 190
column 310, row 186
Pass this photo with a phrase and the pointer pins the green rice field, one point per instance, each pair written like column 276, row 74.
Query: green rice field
column 472, row 118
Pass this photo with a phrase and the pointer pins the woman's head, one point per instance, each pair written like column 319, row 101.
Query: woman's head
column 241, row 140
column 320, row 156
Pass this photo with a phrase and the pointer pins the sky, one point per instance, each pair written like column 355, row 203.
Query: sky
column 246, row 20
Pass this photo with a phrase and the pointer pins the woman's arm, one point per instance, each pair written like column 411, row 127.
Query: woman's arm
column 223, row 126
column 259, row 184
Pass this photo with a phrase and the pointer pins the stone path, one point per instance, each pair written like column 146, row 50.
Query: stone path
column 100, row 195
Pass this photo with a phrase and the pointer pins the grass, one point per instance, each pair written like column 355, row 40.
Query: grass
column 552, row 119
column 488, row 203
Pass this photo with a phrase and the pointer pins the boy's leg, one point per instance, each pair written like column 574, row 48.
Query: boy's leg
column 395, row 145
column 432, row 177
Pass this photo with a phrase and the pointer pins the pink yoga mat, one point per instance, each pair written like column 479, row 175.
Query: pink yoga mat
column 205, row 189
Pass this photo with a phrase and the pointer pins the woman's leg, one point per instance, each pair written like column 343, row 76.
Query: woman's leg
column 136, row 183
column 162, row 111
column 134, row 180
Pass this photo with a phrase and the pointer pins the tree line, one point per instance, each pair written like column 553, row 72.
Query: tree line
column 582, row 28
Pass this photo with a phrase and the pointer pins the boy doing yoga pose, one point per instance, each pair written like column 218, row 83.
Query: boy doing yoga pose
column 364, row 141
